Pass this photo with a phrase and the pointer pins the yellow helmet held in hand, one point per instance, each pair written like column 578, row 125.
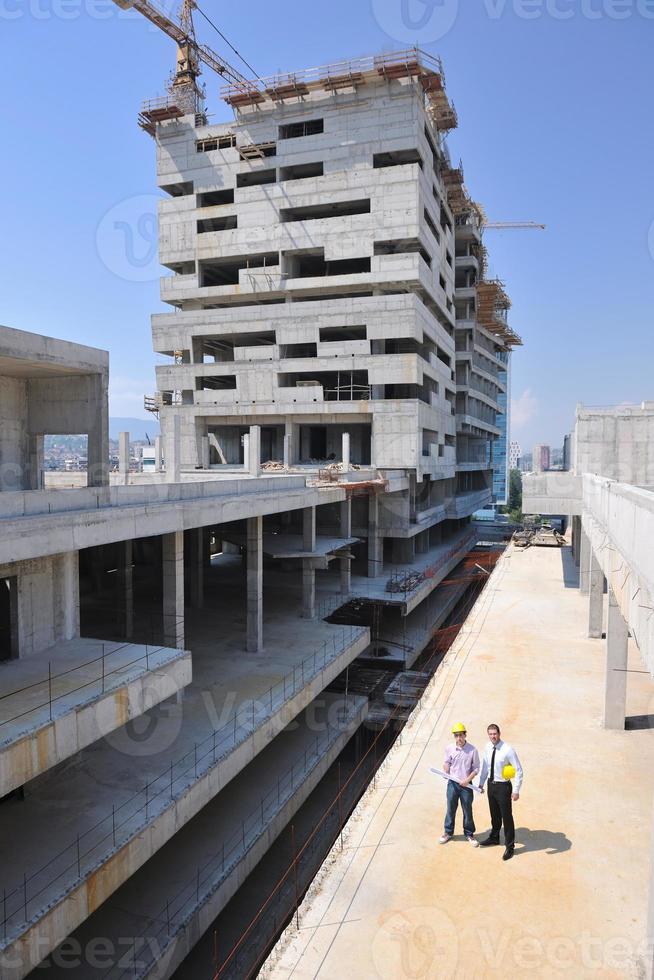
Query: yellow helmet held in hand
column 458, row 728
column 508, row 771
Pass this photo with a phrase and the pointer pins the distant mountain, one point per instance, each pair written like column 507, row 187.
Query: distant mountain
column 137, row 428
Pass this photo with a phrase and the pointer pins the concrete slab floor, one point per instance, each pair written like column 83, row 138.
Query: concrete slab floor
column 79, row 793
column 140, row 919
column 81, row 670
column 573, row 901
column 327, row 584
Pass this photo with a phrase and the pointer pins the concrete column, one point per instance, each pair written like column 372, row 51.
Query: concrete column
column 173, row 449
column 35, row 476
column 308, row 589
column 97, row 448
column 254, row 584
column 158, row 443
column 172, row 551
column 346, row 451
column 253, row 459
column 292, row 433
column 345, row 564
column 309, row 529
column 308, row 569
column 402, row 550
column 287, row 452
column 375, row 540
column 125, row 586
column 69, row 592
column 576, row 533
column 584, row 562
column 422, row 542
column 197, row 542
column 206, row 454
column 617, row 634
column 123, row 456
column 596, row 604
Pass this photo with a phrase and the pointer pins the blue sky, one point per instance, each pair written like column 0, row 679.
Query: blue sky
column 555, row 109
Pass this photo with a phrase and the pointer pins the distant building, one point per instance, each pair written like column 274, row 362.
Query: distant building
column 540, row 459
column 515, row 452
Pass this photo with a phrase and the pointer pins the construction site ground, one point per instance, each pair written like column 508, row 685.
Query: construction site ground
column 571, row 903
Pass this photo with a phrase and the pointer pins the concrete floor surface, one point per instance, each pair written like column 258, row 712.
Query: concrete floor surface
column 573, row 900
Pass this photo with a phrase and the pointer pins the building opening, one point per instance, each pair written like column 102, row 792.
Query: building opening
column 8, row 619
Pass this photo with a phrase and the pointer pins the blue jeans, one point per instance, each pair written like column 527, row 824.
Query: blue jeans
column 454, row 794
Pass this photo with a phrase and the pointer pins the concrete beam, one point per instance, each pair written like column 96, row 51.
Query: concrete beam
column 617, row 638
column 254, row 578
column 597, row 585
column 172, row 553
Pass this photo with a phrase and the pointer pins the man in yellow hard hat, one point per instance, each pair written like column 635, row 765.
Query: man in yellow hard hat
column 462, row 765
column 501, row 766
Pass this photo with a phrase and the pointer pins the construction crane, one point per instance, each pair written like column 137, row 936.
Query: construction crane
column 185, row 95
column 514, row 225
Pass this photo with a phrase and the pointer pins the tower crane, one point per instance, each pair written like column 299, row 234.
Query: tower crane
column 513, row 225
column 185, row 95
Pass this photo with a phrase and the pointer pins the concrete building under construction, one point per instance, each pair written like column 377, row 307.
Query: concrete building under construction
column 328, row 414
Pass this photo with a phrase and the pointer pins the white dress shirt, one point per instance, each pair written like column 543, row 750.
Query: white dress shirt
column 505, row 755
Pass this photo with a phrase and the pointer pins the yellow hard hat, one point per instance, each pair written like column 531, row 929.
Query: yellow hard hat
column 458, row 728
column 508, row 771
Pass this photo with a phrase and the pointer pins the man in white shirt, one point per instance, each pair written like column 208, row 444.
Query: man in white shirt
column 501, row 790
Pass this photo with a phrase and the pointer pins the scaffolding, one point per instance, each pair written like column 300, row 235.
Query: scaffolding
column 493, row 304
column 412, row 63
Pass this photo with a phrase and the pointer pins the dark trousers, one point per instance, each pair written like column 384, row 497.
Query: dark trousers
column 501, row 812
column 454, row 794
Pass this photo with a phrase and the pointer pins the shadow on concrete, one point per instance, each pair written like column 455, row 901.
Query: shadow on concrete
column 540, row 840
column 570, row 570
column 635, row 723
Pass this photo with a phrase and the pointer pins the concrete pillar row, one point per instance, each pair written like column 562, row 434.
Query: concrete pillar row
column 375, row 540
column 617, row 638
column 597, row 585
column 584, row 562
column 172, row 554
column 254, row 582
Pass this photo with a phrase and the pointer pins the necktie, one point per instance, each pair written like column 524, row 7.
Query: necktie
column 492, row 772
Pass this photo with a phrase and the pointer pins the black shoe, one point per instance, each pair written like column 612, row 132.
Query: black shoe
column 508, row 854
column 489, row 842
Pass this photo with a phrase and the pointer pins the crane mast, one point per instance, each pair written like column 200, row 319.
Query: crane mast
column 185, row 95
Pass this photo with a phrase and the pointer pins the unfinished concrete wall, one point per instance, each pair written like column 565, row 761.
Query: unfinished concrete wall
column 14, row 435
column 617, row 443
column 47, row 600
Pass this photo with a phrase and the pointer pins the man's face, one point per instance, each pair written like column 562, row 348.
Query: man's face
column 460, row 739
column 494, row 735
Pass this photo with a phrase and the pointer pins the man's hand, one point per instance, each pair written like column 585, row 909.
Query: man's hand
column 481, row 789
column 515, row 796
column 464, row 782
